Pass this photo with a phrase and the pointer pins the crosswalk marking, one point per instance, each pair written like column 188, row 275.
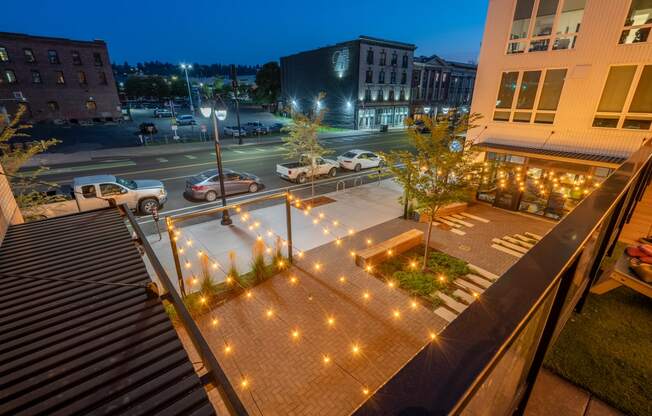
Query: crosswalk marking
column 475, row 217
column 190, row 157
column 161, row 159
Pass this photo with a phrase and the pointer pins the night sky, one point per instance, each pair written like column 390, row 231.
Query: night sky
column 251, row 32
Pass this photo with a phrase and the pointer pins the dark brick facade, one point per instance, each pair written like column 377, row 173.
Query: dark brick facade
column 76, row 84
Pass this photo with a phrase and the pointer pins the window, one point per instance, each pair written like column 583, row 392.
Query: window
column 103, row 79
column 394, row 58
column 29, row 55
column 638, row 22
column 405, row 61
column 4, row 55
column 10, row 77
column 58, row 75
column 367, row 95
column 370, row 56
column 380, row 96
column 91, row 105
column 392, row 77
column 391, row 95
column 383, row 58
column 626, row 101
column 88, row 191
column 53, row 106
column 369, row 76
column 536, row 101
column 97, row 58
column 36, row 77
column 556, row 22
column 381, row 77
column 402, row 95
column 76, row 58
column 403, row 77
column 110, row 189
column 81, row 77
column 53, row 57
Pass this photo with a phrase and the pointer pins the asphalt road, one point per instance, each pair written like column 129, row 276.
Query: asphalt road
column 259, row 160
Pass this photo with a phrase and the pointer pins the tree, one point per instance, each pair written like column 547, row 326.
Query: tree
column 138, row 86
column 302, row 139
column 268, row 83
column 15, row 153
column 444, row 169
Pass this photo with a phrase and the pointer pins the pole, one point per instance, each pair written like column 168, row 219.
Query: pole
column 288, row 220
column 175, row 255
column 192, row 108
column 234, row 84
column 226, row 219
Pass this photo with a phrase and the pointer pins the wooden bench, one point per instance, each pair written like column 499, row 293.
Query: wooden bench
column 398, row 244
column 620, row 275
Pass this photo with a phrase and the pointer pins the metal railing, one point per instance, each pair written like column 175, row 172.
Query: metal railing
column 490, row 355
column 217, row 374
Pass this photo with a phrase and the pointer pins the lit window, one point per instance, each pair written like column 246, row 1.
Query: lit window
column 526, row 109
column 91, row 105
column 53, row 56
column 10, row 77
column 556, row 22
column 620, row 106
column 638, row 22
column 29, row 55
column 36, row 77
column 4, row 55
column 76, row 58
column 59, row 77
column 81, row 77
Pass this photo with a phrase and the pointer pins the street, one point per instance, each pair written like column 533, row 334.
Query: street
column 260, row 160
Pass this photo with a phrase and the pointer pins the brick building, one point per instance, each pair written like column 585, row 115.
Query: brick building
column 58, row 79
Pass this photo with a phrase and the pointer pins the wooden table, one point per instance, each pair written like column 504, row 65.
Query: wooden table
column 618, row 275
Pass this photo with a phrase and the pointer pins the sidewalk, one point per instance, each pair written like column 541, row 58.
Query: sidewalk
column 53, row 159
column 554, row 395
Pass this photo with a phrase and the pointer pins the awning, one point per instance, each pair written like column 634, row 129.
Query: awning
column 560, row 155
column 80, row 333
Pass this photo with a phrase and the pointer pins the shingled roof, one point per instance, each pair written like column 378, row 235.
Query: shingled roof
column 80, row 333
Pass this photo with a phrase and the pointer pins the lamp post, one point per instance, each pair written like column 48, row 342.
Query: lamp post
column 185, row 69
column 209, row 110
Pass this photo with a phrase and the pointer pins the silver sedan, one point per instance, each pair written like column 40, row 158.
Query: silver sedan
column 206, row 185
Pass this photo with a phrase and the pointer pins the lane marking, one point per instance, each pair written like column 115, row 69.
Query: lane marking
column 456, row 231
column 161, row 159
column 191, row 157
column 83, row 168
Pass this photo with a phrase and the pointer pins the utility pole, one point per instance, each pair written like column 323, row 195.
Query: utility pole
column 234, row 84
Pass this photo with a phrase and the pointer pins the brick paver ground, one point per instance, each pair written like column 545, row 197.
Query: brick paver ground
column 288, row 375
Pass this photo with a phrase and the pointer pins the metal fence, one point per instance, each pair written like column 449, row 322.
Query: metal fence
column 486, row 361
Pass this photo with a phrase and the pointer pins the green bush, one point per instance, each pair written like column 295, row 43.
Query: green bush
column 450, row 267
column 416, row 282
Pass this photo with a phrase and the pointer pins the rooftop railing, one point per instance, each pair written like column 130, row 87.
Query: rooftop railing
column 486, row 361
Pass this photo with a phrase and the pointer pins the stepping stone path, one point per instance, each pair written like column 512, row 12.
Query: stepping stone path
column 516, row 245
column 468, row 288
column 459, row 222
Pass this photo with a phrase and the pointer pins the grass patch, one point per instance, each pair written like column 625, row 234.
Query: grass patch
column 607, row 349
column 439, row 275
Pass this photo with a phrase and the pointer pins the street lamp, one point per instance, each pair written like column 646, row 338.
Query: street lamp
column 185, row 69
column 208, row 109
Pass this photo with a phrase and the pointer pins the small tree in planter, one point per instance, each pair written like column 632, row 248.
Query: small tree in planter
column 444, row 169
column 302, row 139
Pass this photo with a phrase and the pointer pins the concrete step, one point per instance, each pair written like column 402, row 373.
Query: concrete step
column 535, row 236
column 449, row 223
column 468, row 286
column 506, row 250
column 452, row 303
column 482, row 272
column 478, row 280
column 526, row 239
column 445, row 314
column 465, row 296
column 509, row 245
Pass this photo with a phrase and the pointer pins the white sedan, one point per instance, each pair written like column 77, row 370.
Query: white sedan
column 360, row 159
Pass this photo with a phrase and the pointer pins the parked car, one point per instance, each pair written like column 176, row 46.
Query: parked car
column 233, row 131
column 359, row 159
column 256, row 127
column 275, row 127
column 186, row 120
column 206, row 185
column 162, row 113
column 303, row 169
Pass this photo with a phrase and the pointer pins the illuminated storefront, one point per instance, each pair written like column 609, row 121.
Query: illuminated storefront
column 545, row 183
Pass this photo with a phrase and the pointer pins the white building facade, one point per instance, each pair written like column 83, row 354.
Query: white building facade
column 565, row 91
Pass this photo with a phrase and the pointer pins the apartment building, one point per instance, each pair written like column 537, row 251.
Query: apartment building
column 565, row 91
column 366, row 82
column 438, row 85
column 58, row 79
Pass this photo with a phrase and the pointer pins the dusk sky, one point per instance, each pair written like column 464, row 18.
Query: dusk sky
column 250, row 32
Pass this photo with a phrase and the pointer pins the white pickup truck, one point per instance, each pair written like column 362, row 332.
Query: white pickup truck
column 93, row 192
column 302, row 170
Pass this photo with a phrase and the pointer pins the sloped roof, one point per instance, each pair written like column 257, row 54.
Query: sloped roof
column 79, row 331
column 558, row 154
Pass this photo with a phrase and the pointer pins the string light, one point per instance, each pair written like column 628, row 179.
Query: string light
column 295, row 334
column 432, row 335
column 335, row 223
column 293, row 280
column 317, row 266
column 369, row 241
column 326, row 359
column 355, row 348
column 414, row 304
column 269, row 313
column 365, row 391
column 368, row 268
column 244, row 383
column 228, row 349
column 396, row 313
column 330, row 321
column 342, row 279
column 215, row 321
column 321, row 215
column 338, row 241
column 366, row 295
column 352, row 253
column 249, row 294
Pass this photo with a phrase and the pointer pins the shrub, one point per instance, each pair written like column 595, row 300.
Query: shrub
column 451, row 267
column 417, row 282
